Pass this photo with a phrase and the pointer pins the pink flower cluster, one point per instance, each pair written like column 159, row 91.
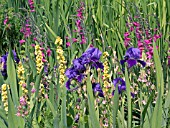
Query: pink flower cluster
column 23, row 107
column 26, row 30
column 79, row 23
column 6, row 20
column 144, row 38
column 31, row 5
column 79, row 30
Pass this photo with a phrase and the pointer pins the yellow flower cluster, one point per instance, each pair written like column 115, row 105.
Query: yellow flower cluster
column 106, row 75
column 39, row 57
column 5, row 96
column 61, row 60
column 22, row 83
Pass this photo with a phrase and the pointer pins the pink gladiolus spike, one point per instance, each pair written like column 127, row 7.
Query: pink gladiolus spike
column 44, row 60
column 74, row 40
column 42, row 49
column 33, row 45
column 136, row 24
column 127, row 39
column 48, row 52
column 34, row 38
column 6, row 20
column 68, row 44
column 22, row 41
column 147, row 41
column 131, row 29
column 126, row 34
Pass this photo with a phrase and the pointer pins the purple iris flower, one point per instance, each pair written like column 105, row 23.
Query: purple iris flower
column 92, row 55
column 73, row 74
column 76, row 72
column 77, row 63
column 3, row 62
column 70, row 73
column 15, row 57
column 132, row 56
column 120, row 83
column 97, row 89
column 121, row 86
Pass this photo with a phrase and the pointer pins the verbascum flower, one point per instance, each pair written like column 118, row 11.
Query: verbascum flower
column 106, row 75
column 21, row 76
column 61, row 60
column 5, row 96
column 39, row 59
column 23, row 108
column 58, row 41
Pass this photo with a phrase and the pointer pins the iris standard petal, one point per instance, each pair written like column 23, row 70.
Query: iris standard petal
column 133, row 53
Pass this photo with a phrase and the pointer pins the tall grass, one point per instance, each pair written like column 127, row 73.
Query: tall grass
column 104, row 25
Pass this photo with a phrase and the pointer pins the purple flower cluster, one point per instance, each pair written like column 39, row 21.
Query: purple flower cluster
column 132, row 56
column 77, row 72
column 3, row 62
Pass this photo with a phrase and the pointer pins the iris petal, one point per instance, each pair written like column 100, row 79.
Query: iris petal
column 68, row 83
column 131, row 62
column 143, row 63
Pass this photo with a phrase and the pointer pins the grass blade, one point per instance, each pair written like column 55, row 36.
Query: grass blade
column 92, row 111
column 128, row 98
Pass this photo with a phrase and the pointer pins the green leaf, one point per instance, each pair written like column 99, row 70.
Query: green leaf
column 93, row 117
column 32, row 65
column 51, row 31
column 2, row 124
column 12, row 77
column 69, row 121
column 63, row 108
column 166, row 109
column 158, row 66
column 12, row 118
column 157, row 113
column 1, row 80
column 51, row 108
column 128, row 98
column 146, row 107
column 3, row 115
column 115, row 106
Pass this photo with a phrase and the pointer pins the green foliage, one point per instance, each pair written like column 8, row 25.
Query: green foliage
column 104, row 24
